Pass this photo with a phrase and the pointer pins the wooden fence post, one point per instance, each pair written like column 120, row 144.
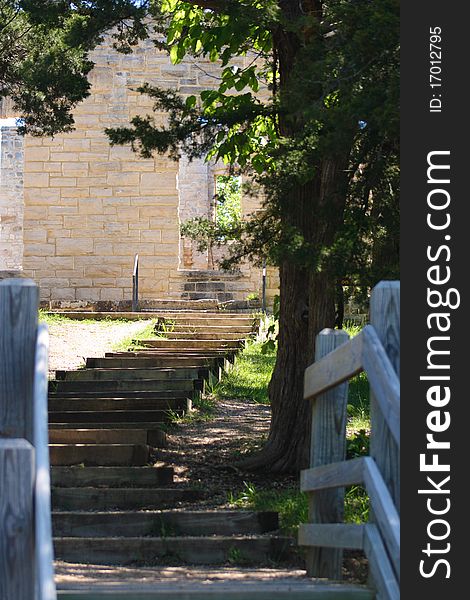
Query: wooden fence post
column 18, row 330
column 17, row 573
column 328, row 444
column 385, row 318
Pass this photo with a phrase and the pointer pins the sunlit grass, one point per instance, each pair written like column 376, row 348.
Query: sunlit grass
column 131, row 342
column 249, row 378
column 57, row 319
column 292, row 504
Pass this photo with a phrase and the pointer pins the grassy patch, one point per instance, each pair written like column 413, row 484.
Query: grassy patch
column 249, row 378
column 58, row 319
column 358, row 404
column 358, row 396
column 356, row 505
column 131, row 342
column 290, row 503
column 203, row 410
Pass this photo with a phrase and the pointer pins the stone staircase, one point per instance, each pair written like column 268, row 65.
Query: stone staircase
column 112, row 505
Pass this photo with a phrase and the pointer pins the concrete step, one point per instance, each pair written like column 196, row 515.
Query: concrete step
column 84, row 498
column 133, row 419
column 233, row 588
column 168, row 523
column 177, row 304
column 110, row 477
column 121, row 404
column 104, row 455
column 184, row 344
column 155, row 438
column 133, row 373
column 117, row 385
column 192, row 550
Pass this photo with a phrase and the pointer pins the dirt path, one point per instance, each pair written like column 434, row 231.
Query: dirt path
column 206, row 453
column 72, row 342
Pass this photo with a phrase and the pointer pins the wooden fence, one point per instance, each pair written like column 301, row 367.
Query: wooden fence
column 375, row 350
column 26, row 553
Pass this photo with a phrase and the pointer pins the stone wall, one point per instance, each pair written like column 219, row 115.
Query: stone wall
column 11, row 199
column 89, row 207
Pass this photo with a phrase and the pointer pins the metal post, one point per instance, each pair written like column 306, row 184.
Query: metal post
column 135, row 285
column 264, row 288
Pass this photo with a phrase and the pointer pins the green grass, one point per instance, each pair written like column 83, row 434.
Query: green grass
column 292, row 505
column 132, row 342
column 58, row 319
column 358, row 403
column 249, row 378
column 358, row 396
column 203, row 410
column 356, row 505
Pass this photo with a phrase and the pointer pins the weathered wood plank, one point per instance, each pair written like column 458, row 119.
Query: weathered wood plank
column 82, row 498
column 18, row 317
column 204, row 550
column 16, row 520
column 334, row 535
column 338, row 366
column 383, row 380
column 43, row 526
column 385, row 513
column 385, row 318
column 164, row 523
column 328, row 444
column 379, row 565
column 340, row 474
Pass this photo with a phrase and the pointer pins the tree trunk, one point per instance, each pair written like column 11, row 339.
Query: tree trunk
column 307, row 294
column 307, row 305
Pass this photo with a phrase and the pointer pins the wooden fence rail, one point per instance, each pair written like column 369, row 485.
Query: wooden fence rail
column 26, row 555
column 44, row 552
column 376, row 351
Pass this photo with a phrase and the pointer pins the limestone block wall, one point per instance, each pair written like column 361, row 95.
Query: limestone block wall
column 88, row 208
column 11, row 198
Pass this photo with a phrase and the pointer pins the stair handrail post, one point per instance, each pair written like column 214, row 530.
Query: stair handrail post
column 385, row 318
column 328, row 444
column 46, row 588
column 19, row 300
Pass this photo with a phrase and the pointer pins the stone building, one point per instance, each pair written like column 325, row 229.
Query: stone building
column 74, row 211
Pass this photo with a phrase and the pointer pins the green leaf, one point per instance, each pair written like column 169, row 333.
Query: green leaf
column 174, row 54
column 240, row 84
column 191, row 101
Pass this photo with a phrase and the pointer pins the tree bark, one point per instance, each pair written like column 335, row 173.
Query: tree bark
column 307, row 305
column 307, row 294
